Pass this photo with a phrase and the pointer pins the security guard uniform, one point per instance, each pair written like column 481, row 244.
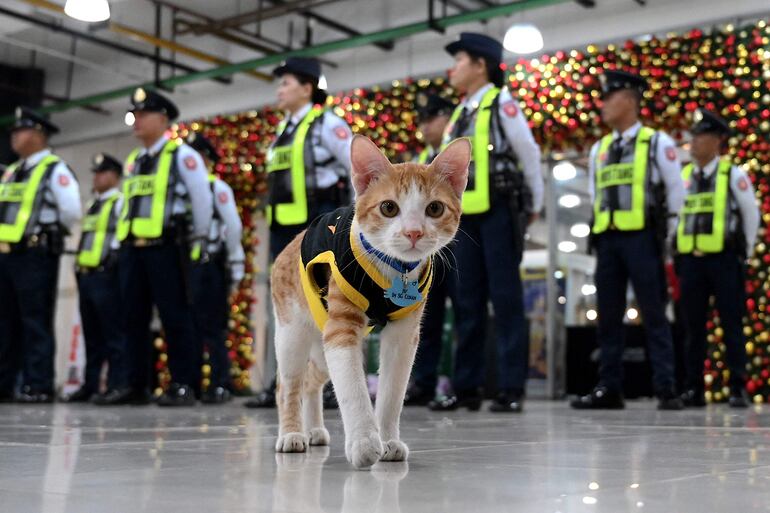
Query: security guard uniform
column 505, row 185
column 424, row 372
column 636, row 191
column 163, row 184
column 308, row 164
column 218, row 264
column 39, row 204
column 308, row 168
column 717, row 229
column 99, row 290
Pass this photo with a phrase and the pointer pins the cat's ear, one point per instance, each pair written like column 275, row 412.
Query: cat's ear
column 366, row 163
column 452, row 163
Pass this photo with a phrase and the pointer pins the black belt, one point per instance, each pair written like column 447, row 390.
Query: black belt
column 79, row 269
column 41, row 240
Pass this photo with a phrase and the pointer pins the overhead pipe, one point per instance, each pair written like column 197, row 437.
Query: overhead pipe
column 142, row 36
column 101, row 42
column 352, row 42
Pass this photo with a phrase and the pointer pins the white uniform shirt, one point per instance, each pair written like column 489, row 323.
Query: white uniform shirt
column 62, row 191
column 519, row 136
column 665, row 167
column 229, row 227
column 330, row 139
column 193, row 181
column 742, row 192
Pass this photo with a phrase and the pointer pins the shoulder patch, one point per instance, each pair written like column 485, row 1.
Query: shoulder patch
column 510, row 108
column 189, row 163
column 222, row 197
column 64, row 180
column 743, row 184
column 341, row 133
column 671, row 153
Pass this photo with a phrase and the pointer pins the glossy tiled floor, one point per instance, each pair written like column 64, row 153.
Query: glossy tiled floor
column 81, row 459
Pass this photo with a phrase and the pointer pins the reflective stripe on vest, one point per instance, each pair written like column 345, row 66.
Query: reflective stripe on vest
column 631, row 180
column 20, row 199
column 292, row 157
column 95, row 228
column 422, row 158
column 154, row 186
column 712, row 205
column 476, row 200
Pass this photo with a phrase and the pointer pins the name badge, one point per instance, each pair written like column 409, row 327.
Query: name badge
column 403, row 293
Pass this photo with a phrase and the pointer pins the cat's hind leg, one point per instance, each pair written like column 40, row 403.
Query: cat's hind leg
column 293, row 339
column 316, row 376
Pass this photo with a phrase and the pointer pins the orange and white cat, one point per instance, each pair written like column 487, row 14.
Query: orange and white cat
column 403, row 214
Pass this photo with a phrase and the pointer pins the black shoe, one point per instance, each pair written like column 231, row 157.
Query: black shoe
column 600, row 398
column 177, row 395
column 30, row 396
column 508, row 402
column 416, row 396
column 264, row 399
column 670, row 401
column 739, row 399
column 81, row 395
column 329, row 397
column 693, row 399
column 451, row 402
column 115, row 396
column 215, row 395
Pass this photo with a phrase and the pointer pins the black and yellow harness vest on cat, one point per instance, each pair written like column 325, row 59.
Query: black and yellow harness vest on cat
column 329, row 241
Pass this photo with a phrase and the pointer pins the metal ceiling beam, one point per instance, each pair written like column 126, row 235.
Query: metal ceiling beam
column 365, row 39
column 335, row 25
column 102, row 42
column 142, row 36
column 262, row 14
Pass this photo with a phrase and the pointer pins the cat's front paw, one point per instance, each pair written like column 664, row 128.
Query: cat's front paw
column 395, row 450
column 291, row 442
column 319, row 436
column 365, row 451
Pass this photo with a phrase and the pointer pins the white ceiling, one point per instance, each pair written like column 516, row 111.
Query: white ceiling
column 98, row 69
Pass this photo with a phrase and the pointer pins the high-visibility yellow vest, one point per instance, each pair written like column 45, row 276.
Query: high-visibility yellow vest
column 153, row 194
column 705, row 208
column 290, row 159
column 95, row 238
column 21, row 200
column 424, row 155
column 476, row 198
column 630, row 178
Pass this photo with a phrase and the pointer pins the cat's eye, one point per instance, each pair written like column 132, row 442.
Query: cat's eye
column 389, row 208
column 434, row 209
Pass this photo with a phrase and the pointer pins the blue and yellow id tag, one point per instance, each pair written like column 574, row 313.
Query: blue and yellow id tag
column 403, row 293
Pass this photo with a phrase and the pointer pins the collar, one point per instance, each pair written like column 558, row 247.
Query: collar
column 155, row 148
column 474, row 100
column 37, row 157
column 709, row 168
column 630, row 132
column 398, row 265
column 106, row 194
column 300, row 114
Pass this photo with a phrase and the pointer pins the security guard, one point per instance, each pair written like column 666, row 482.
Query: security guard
column 39, row 204
column 164, row 182
column 433, row 112
column 717, row 230
column 635, row 181
column 504, row 193
column 98, row 287
column 218, row 265
column 308, row 164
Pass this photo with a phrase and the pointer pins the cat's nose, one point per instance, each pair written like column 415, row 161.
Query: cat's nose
column 413, row 236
